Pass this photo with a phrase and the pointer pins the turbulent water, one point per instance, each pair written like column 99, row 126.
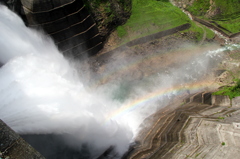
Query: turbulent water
column 42, row 93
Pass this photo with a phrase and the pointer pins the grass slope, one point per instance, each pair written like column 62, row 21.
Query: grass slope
column 226, row 12
column 152, row 16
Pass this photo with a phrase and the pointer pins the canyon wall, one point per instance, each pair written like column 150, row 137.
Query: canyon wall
column 108, row 14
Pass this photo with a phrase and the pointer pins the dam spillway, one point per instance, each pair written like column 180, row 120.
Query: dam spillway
column 67, row 22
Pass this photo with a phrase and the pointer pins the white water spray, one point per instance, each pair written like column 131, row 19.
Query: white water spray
column 41, row 93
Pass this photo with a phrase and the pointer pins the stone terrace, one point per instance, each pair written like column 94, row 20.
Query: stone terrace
column 204, row 127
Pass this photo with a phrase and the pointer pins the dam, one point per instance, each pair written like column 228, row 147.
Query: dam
column 117, row 98
column 67, row 22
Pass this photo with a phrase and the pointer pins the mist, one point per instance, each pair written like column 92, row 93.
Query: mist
column 42, row 92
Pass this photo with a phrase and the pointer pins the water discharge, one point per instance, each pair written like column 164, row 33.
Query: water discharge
column 42, row 93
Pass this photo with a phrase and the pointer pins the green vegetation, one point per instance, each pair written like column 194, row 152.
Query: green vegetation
column 232, row 25
column 109, row 14
column 224, row 13
column 231, row 91
column 229, row 9
column 199, row 31
column 199, row 7
column 149, row 17
column 152, row 16
column 221, row 118
column 225, row 9
column 223, row 143
column 183, row 103
column 197, row 154
column 209, row 32
column 121, row 31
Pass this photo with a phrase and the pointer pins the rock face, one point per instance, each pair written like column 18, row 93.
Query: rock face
column 109, row 14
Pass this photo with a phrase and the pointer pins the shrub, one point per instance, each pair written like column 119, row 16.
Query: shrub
column 232, row 92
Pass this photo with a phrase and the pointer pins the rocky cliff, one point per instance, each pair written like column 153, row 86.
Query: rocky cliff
column 109, row 14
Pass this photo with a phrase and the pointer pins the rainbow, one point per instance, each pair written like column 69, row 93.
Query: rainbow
column 156, row 57
column 135, row 65
column 141, row 101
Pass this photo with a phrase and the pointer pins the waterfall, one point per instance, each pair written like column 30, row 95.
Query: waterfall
column 41, row 92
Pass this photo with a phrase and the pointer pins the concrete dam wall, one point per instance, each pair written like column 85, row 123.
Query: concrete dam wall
column 68, row 22
column 13, row 146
